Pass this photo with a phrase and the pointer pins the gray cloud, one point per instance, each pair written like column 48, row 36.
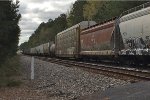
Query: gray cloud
column 26, row 33
column 23, row 8
column 28, row 25
column 23, row 38
column 45, row 15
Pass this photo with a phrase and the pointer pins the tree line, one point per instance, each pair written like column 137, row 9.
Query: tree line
column 81, row 10
column 9, row 29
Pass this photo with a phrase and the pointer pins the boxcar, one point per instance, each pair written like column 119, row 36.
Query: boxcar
column 98, row 41
column 68, row 41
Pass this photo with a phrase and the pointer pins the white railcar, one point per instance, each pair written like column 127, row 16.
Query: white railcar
column 135, row 31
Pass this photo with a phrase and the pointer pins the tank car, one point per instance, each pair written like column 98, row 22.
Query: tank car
column 46, row 47
column 39, row 50
column 49, row 49
column 32, row 51
column 26, row 51
column 52, row 50
column 135, row 32
column 68, row 41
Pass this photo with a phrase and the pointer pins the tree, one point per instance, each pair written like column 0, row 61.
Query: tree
column 9, row 29
column 90, row 9
column 76, row 13
column 110, row 9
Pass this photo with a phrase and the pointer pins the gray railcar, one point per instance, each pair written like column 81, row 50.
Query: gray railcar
column 46, row 47
column 39, row 49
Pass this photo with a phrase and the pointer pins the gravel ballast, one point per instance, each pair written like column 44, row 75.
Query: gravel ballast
column 58, row 82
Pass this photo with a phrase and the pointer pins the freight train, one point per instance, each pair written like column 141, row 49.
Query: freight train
column 124, row 39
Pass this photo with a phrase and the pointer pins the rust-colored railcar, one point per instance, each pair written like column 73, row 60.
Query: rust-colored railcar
column 98, row 40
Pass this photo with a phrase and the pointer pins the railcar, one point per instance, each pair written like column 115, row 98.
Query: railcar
column 39, row 49
column 98, row 41
column 33, row 51
column 52, row 50
column 26, row 51
column 48, row 48
column 68, row 41
column 135, row 32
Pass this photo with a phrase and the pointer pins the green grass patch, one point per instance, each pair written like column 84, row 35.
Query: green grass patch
column 9, row 71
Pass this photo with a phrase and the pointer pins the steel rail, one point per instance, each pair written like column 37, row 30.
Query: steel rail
column 132, row 73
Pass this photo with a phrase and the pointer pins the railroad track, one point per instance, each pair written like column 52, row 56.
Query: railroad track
column 119, row 72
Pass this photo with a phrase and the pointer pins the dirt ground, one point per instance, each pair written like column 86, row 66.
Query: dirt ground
column 23, row 92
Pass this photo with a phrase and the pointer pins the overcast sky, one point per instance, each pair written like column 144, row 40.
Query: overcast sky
column 36, row 11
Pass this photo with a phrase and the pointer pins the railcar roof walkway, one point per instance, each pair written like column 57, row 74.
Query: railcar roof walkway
column 135, row 91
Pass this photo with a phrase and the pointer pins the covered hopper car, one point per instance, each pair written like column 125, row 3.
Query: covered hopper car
column 135, row 32
column 98, row 41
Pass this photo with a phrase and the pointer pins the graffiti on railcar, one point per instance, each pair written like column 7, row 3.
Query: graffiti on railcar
column 136, row 46
column 133, row 43
column 147, row 41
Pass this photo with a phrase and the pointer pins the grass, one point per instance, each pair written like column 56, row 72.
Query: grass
column 9, row 71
